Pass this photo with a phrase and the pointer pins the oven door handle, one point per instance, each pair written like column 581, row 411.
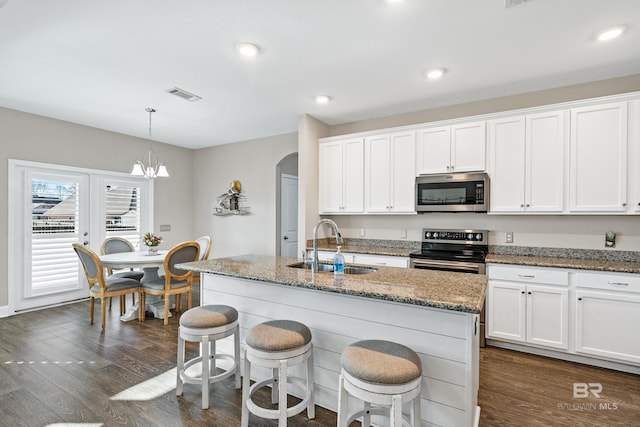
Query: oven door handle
column 466, row 266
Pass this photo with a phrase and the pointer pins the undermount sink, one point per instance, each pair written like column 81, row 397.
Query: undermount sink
column 359, row 270
column 329, row 267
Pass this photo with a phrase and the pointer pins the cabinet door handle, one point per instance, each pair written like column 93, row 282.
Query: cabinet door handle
column 522, row 205
column 529, row 292
column 624, row 204
column 526, row 276
column 522, row 292
column 618, row 284
column 580, row 299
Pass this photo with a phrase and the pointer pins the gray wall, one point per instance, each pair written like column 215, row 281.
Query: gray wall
column 254, row 164
column 574, row 231
column 35, row 138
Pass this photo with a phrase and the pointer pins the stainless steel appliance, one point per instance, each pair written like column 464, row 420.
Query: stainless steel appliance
column 453, row 192
column 462, row 251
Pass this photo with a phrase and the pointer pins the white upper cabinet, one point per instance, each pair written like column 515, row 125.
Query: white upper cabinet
column 457, row 148
column 527, row 163
column 341, row 176
column 390, row 173
column 598, row 165
column 506, row 164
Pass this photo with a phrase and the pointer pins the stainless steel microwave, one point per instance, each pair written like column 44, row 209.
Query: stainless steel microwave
column 453, row 192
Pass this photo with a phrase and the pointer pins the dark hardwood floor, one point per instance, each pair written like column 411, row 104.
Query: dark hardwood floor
column 56, row 368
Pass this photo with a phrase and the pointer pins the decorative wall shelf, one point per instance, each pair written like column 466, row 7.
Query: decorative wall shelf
column 229, row 203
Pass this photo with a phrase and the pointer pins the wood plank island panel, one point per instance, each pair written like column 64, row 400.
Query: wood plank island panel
column 445, row 340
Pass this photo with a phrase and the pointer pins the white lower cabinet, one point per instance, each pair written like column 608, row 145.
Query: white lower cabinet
column 529, row 306
column 382, row 260
column 608, row 316
column 354, row 258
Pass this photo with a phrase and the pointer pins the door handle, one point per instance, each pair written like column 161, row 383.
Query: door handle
column 86, row 243
column 286, row 237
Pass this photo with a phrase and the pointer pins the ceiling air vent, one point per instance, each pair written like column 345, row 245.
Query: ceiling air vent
column 184, row 94
column 512, row 3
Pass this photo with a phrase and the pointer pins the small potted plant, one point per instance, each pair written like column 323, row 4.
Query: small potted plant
column 151, row 241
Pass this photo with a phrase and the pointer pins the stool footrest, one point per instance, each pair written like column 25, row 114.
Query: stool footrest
column 197, row 379
column 274, row 414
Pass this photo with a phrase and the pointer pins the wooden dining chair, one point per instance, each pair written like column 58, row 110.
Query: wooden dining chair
column 205, row 249
column 104, row 287
column 116, row 245
column 176, row 281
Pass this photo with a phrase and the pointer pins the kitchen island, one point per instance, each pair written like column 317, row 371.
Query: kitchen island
column 434, row 313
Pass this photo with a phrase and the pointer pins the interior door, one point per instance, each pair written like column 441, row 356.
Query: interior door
column 289, row 216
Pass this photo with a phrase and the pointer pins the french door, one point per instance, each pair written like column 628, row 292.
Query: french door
column 51, row 207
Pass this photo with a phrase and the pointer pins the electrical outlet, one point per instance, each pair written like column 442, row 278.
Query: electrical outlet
column 508, row 237
column 165, row 227
column 362, row 232
column 403, row 233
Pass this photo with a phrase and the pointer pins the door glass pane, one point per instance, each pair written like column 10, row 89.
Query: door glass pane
column 55, row 217
column 122, row 214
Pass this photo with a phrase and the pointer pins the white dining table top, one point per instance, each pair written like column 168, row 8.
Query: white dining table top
column 133, row 259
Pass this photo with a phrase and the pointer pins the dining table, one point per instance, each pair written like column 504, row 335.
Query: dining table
column 150, row 263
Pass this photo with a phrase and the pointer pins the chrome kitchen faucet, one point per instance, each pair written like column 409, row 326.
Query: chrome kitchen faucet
column 314, row 262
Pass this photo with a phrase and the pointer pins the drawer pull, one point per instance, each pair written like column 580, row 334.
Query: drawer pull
column 618, row 284
column 526, row 276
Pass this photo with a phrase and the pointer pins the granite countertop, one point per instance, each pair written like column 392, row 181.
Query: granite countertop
column 445, row 290
column 559, row 262
column 369, row 246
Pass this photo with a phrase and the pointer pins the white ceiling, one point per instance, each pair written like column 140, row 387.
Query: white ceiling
column 101, row 63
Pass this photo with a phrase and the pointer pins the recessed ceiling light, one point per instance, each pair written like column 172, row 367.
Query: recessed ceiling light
column 322, row 99
column 435, row 73
column 610, row 33
column 247, row 49
column 394, row 1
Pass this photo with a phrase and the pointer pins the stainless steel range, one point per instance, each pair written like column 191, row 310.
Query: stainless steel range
column 452, row 250
column 462, row 251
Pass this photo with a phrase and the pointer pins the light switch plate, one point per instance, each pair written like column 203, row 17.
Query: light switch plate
column 403, row 233
column 165, row 227
column 362, row 232
column 508, row 237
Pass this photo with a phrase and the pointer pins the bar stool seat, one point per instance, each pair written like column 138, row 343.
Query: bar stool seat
column 207, row 324
column 382, row 373
column 278, row 344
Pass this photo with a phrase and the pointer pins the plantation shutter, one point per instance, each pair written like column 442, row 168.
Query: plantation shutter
column 122, row 213
column 55, row 225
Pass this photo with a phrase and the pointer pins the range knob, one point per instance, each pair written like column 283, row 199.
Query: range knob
column 435, row 235
column 428, row 235
column 479, row 237
column 470, row 236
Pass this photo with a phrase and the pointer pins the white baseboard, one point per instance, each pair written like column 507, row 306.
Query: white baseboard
column 4, row 311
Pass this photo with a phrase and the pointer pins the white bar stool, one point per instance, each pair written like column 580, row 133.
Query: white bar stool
column 205, row 325
column 380, row 373
column 278, row 344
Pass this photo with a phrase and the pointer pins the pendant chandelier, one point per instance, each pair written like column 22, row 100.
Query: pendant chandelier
column 149, row 166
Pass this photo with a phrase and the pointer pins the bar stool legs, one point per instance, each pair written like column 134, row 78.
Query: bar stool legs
column 278, row 344
column 205, row 325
